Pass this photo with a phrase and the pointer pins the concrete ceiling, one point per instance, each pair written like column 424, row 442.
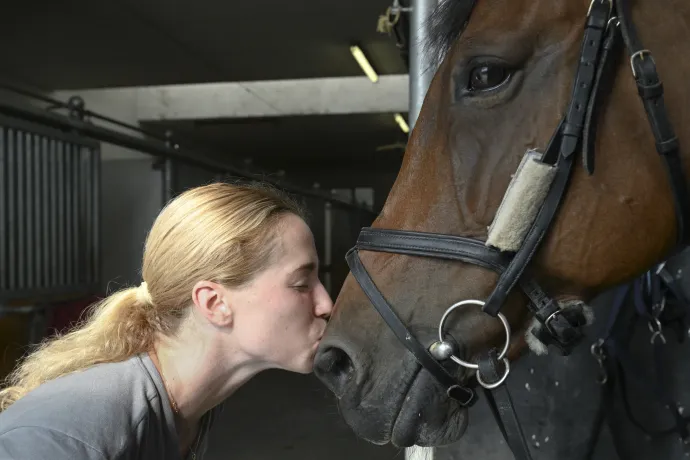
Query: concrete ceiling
column 66, row 44
column 73, row 44
column 371, row 142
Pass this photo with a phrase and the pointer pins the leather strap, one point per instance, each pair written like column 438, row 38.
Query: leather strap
column 651, row 92
column 501, row 404
column 432, row 245
column 605, row 405
column 584, row 77
column 562, row 328
column 602, row 88
column 464, row 396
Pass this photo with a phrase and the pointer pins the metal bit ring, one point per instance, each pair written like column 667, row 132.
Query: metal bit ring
column 496, row 384
column 503, row 319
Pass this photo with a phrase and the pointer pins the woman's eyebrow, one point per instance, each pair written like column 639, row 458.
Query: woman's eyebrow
column 308, row 266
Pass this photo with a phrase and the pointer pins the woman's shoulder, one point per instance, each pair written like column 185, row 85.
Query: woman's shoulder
column 100, row 406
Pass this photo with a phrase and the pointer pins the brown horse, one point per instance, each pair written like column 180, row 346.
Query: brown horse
column 504, row 83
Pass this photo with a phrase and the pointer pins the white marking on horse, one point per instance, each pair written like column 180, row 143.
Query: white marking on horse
column 419, row 453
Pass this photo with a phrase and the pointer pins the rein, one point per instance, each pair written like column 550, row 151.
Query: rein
column 560, row 326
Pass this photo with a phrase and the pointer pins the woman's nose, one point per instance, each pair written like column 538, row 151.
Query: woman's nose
column 323, row 303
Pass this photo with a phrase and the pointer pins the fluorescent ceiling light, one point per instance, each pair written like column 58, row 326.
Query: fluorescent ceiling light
column 402, row 123
column 364, row 63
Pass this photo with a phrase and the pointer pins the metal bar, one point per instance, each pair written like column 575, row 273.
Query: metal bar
column 60, row 217
column 87, row 113
column 73, row 206
column 81, row 216
column 169, row 172
column 96, row 209
column 53, row 208
column 4, row 265
column 28, row 208
column 69, row 213
column 156, row 148
column 73, row 214
column 45, row 210
column 421, row 72
column 328, row 245
column 39, row 249
column 86, row 219
column 78, row 238
column 11, row 209
column 66, row 215
column 21, row 211
column 66, row 240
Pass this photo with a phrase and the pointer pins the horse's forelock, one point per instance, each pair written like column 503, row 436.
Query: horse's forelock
column 446, row 24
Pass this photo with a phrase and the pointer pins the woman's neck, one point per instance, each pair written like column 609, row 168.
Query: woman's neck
column 199, row 372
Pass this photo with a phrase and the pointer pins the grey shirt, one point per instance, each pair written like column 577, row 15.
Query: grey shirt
column 109, row 411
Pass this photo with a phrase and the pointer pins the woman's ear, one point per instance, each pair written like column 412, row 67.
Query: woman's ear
column 210, row 299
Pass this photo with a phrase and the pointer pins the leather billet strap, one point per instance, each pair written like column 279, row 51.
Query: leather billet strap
column 650, row 90
column 465, row 396
column 603, row 82
column 595, row 30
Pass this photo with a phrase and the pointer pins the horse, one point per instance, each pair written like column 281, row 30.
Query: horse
column 544, row 169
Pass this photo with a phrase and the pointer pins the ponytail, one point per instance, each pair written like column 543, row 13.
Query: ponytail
column 117, row 327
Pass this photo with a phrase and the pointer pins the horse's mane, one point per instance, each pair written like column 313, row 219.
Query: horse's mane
column 446, row 23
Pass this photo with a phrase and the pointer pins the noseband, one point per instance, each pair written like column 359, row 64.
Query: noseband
column 558, row 326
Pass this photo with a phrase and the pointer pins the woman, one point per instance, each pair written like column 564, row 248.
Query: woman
column 230, row 288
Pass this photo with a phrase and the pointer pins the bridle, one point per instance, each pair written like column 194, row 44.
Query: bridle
column 558, row 326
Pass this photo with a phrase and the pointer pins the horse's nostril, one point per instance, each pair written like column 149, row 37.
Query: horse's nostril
column 334, row 368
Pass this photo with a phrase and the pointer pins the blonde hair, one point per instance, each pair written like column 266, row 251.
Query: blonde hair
column 221, row 232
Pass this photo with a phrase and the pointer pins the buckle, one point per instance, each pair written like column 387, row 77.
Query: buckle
column 639, row 54
column 610, row 2
column 551, row 317
column 568, row 337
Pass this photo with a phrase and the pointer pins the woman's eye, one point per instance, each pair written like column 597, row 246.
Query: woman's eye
column 301, row 287
column 487, row 77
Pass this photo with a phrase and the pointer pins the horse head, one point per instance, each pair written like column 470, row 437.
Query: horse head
column 543, row 169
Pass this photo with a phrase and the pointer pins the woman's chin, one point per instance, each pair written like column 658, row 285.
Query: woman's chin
column 305, row 365
column 306, row 368
column 311, row 357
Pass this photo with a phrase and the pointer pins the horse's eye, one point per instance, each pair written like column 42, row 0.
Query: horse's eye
column 486, row 77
